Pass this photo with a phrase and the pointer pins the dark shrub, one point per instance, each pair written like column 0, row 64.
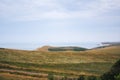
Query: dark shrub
column 117, row 77
column 92, row 78
column 81, row 77
column 50, row 77
column 115, row 71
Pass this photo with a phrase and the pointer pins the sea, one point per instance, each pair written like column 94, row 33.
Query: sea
column 34, row 46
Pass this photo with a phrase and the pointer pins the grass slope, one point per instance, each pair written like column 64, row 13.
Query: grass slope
column 90, row 62
column 8, row 76
column 67, row 48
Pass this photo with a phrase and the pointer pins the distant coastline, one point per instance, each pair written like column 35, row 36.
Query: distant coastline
column 33, row 46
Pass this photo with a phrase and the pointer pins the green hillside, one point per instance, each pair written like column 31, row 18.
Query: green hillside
column 67, row 48
column 38, row 64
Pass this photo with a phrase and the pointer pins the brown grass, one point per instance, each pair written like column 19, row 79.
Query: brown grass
column 90, row 62
column 8, row 76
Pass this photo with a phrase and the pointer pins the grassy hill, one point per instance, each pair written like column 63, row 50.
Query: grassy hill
column 44, row 48
column 38, row 64
column 68, row 48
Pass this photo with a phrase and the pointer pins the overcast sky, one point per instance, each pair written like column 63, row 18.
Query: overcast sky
column 35, row 21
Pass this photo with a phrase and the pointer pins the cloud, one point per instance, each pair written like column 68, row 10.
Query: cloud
column 53, row 9
column 102, row 6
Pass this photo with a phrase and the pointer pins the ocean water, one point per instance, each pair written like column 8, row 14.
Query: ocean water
column 33, row 46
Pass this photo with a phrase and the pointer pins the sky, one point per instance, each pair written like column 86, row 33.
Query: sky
column 56, row 21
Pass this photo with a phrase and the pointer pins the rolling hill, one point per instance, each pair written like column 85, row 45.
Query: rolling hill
column 68, row 48
column 38, row 64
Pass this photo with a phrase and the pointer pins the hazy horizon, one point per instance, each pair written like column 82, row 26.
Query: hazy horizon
column 33, row 46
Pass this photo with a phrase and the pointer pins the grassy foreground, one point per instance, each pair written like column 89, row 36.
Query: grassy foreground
column 33, row 65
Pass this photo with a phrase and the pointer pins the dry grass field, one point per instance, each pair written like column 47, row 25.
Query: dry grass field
column 34, row 65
